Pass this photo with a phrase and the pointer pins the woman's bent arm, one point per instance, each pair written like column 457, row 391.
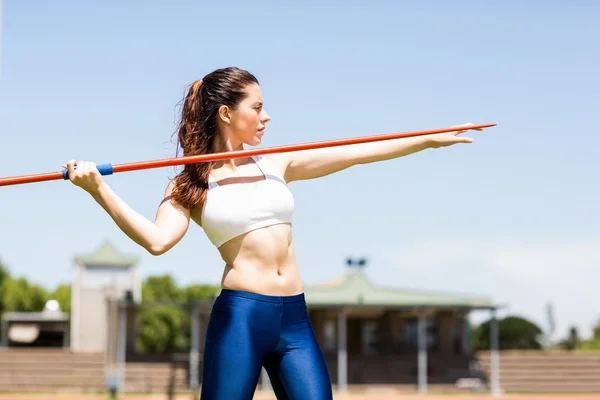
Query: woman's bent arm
column 171, row 223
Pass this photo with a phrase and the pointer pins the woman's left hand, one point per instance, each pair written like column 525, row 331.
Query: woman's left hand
column 449, row 138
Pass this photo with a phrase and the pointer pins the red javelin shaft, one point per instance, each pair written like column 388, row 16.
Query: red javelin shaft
column 108, row 169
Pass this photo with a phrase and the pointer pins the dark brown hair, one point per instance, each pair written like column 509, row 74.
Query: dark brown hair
column 197, row 128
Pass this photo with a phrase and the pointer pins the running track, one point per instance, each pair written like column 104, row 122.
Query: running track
column 384, row 395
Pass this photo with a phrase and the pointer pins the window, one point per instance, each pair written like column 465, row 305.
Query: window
column 411, row 332
column 107, row 277
column 370, row 337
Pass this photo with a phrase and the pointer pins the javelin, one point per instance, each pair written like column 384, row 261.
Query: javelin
column 109, row 169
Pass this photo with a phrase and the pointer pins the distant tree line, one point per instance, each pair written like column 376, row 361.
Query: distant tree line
column 17, row 294
column 517, row 333
column 166, row 328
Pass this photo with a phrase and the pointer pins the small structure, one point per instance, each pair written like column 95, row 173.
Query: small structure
column 99, row 278
column 48, row 328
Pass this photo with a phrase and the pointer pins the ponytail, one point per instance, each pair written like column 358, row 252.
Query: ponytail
column 191, row 184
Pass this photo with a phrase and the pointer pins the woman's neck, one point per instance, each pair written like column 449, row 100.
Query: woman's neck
column 227, row 144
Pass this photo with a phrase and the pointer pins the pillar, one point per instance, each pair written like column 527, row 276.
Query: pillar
column 195, row 350
column 342, row 358
column 494, row 357
column 3, row 333
column 121, row 346
column 422, row 358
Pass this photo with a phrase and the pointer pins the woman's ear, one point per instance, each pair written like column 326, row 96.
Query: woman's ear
column 224, row 114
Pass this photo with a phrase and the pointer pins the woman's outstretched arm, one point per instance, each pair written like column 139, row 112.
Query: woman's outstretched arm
column 315, row 163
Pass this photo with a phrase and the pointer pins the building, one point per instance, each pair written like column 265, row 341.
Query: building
column 100, row 277
column 372, row 334
column 48, row 328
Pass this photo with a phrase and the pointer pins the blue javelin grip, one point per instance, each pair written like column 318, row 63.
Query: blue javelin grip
column 104, row 169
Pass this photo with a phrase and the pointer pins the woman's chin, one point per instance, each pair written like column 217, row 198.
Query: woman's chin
column 255, row 141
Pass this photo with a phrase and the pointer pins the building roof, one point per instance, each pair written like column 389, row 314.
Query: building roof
column 50, row 313
column 354, row 289
column 43, row 316
column 106, row 255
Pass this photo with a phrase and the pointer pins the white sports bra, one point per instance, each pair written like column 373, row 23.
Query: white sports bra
column 231, row 210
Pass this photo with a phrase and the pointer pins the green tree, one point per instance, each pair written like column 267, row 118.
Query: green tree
column 4, row 273
column 164, row 327
column 161, row 288
column 20, row 295
column 200, row 292
column 514, row 333
column 572, row 341
column 160, row 329
column 62, row 294
column 160, row 326
column 4, row 277
column 594, row 342
column 192, row 294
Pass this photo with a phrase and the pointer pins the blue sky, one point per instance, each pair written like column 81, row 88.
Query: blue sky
column 513, row 215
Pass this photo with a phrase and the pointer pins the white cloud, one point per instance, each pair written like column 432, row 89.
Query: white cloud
column 524, row 274
column 553, row 263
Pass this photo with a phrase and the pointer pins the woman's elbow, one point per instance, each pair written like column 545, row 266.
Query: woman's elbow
column 158, row 249
column 162, row 243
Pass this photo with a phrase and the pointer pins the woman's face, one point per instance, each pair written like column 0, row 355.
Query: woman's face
column 247, row 121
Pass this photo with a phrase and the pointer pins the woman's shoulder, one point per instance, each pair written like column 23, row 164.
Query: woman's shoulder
column 277, row 163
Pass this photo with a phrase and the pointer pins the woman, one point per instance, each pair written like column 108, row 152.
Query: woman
column 245, row 207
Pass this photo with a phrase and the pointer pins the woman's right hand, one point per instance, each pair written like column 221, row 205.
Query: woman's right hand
column 86, row 175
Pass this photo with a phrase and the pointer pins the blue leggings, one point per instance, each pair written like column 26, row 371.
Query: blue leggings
column 247, row 331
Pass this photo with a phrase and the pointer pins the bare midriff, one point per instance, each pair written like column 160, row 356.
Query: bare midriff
column 262, row 261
